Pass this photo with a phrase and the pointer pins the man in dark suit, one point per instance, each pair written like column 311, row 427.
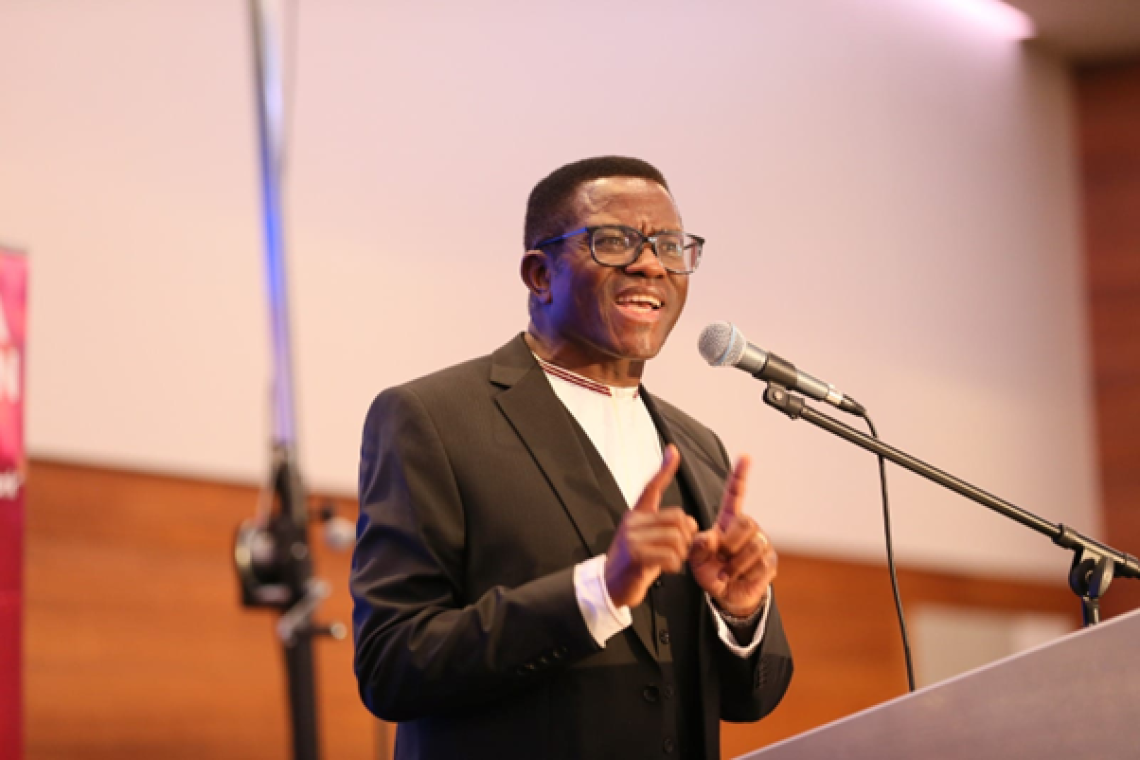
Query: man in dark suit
column 551, row 562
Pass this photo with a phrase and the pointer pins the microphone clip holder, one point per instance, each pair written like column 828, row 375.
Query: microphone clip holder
column 1089, row 578
column 1094, row 564
column 780, row 398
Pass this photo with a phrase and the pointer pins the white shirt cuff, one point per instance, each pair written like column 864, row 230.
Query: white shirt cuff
column 725, row 633
column 602, row 618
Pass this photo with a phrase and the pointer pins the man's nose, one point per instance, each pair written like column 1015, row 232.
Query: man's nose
column 647, row 261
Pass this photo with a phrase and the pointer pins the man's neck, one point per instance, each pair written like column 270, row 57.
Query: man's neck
column 621, row 373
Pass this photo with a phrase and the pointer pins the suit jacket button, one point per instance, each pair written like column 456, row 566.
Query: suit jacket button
column 668, row 746
column 669, row 692
column 650, row 693
column 664, row 637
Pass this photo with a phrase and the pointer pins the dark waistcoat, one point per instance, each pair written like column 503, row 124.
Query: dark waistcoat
column 676, row 603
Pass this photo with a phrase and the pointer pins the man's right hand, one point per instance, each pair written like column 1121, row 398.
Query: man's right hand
column 649, row 540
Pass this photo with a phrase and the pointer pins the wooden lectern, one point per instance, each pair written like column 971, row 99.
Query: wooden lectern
column 1077, row 697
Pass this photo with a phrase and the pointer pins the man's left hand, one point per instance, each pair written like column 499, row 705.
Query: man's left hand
column 733, row 561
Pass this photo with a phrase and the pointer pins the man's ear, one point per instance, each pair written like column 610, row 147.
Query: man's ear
column 535, row 270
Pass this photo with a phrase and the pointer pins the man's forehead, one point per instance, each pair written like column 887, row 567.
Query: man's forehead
column 628, row 193
column 621, row 184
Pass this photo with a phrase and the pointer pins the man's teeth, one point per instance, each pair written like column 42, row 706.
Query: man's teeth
column 642, row 302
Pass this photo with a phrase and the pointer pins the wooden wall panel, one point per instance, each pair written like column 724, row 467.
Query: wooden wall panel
column 137, row 646
column 1108, row 108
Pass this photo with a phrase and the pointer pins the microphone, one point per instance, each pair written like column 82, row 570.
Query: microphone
column 721, row 344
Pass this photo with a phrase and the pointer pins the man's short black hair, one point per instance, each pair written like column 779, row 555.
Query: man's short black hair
column 548, row 208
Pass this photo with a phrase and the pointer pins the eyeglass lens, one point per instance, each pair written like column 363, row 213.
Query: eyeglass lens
column 619, row 246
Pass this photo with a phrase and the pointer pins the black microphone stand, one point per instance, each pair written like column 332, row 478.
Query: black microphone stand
column 1094, row 564
column 272, row 552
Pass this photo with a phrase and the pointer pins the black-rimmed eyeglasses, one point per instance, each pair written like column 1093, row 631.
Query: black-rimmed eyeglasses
column 615, row 245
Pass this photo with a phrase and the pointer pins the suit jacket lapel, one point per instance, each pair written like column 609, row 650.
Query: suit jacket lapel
column 705, row 493
column 547, row 430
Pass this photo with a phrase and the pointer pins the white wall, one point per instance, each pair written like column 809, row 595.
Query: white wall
column 888, row 191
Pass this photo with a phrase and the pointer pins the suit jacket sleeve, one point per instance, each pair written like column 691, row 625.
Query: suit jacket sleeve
column 421, row 647
column 750, row 688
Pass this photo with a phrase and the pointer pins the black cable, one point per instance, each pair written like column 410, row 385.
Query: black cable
column 891, row 558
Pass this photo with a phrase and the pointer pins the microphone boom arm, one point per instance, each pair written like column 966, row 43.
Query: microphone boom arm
column 1094, row 564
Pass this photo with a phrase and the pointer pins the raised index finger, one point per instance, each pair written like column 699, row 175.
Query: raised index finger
column 650, row 499
column 735, row 487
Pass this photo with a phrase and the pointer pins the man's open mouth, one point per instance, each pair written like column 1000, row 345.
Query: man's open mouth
column 640, row 301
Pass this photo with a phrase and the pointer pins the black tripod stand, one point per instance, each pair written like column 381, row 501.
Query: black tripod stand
column 272, row 552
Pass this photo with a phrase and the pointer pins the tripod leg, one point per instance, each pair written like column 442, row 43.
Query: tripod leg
column 302, row 696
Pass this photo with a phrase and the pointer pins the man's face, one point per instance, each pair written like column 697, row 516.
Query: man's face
column 601, row 313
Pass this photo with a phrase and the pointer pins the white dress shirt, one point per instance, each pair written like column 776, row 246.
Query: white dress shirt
column 618, row 424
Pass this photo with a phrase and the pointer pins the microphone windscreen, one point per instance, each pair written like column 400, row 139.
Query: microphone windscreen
column 722, row 345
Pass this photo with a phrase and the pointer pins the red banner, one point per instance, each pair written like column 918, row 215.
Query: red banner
column 13, row 467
